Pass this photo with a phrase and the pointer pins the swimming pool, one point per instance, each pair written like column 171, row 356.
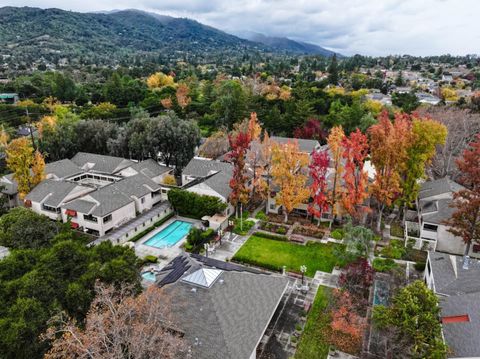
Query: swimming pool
column 170, row 235
column 149, row 276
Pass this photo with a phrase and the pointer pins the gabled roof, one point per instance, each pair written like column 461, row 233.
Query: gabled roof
column 306, row 146
column 203, row 277
column 101, row 163
column 220, row 182
column 52, row 193
column 110, row 198
column 437, row 187
column 138, row 185
column 11, row 186
column 436, row 211
column 62, row 168
column 449, row 276
column 150, row 168
column 202, row 167
column 80, row 205
column 462, row 338
column 227, row 319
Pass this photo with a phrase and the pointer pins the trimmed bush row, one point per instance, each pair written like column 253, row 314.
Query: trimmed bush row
column 193, row 205
column 151, row 228
column 271, row 236
column 254, row 262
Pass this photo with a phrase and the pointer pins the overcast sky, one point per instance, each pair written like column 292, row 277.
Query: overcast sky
column 369, row 27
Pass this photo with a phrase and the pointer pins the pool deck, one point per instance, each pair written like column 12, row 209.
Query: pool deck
column 165, row 254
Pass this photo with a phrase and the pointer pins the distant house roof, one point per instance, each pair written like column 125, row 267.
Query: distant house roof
column 8, row 96
column 80, row 205
column 439, row 186
column 449, row 276
column 230, row 315
column 220, row 182
column 138, row 185
column 11, row 186
column 62, row 168
column 462, row 337
column 202, row 167
column 100, row 163
column 436, row 211
column 306, row 146
column 52, row 193
column 150, row 168
column 109, row 198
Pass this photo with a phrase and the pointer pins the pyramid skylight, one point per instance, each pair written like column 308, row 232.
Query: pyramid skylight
column 203, row 277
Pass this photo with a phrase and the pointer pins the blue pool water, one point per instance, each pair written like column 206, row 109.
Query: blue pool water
column 380, row 293
column 170, row 235
column 149, row 276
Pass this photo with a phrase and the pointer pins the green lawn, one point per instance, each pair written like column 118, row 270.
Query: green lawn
column 313, row 344
column 273, row 254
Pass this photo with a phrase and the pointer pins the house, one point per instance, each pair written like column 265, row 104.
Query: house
column 209, row 177
column 9, row 188
column 10, row 98
column 427, row 98
column 456, row 282
column 233, row 305
column 305, row 146
column 96, row 193
column 433, row 209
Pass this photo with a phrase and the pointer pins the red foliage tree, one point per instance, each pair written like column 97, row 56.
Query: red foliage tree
column 355, row 150
column 356, row 278
column 347, row 327
column 311, row 130
column 239, row 145
column 465, row 221
column 319, row 163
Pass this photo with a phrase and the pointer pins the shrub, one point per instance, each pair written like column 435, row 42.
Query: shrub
column 396, row 230
column 270, row 236
column 420, row 266
column 254, row 262
column 395, row 249
column 169, row 180
column 281, row 230
column 261, row 216
column 383, row 265
column 242, row 228
column 150, row 259
column 337, row 234
column 190, row 204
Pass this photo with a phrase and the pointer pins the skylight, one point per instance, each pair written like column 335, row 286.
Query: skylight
column 203, row 277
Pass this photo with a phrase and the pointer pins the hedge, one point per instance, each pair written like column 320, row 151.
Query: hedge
column 271, row 236
column 383, row 265
column 151, row 228
column 253, row 262
column 193, row 205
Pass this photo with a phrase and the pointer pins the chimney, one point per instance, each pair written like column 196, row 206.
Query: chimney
column 466, row 262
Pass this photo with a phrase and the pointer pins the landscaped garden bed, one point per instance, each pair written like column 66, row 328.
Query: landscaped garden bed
column 313, row 342
column 396, row 250
column 274, row 227
column 310, row 231
column 396, row 230
column 292, row 218
column 274, row 254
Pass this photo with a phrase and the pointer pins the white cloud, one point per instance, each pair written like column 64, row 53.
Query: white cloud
column 371, row 27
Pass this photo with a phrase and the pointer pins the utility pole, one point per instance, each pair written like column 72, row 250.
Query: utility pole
column 30, row 128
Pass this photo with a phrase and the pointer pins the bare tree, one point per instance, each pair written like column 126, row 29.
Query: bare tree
column 215, row 146
column 119, row 325
column 462, row 126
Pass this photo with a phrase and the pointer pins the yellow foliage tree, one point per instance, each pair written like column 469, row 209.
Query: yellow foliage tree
column 183, row 99
column 449, row 94
column 28, row 167
column 46, row 122
column 289, row 171
column 254, row 128
column 169, row 180
column 334, row 141
column 159, row 80
column 374, row 107
column 4, row 137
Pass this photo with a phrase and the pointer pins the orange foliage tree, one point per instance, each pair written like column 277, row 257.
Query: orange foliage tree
column 334, row 141
column 289, row 168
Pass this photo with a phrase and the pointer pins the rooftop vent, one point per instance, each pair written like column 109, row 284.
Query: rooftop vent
column 204, row 277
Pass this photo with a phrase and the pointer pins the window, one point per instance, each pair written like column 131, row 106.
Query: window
column 50, row 208
column 142, row 200
column 106, row 218
column 272, row 206
column 430, row 227
column 89, row 217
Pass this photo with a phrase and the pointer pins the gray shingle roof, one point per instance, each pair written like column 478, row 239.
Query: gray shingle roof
column 52, row 192
column 203, row 167
column 11, row 186
column 306, row 146
column 80, row 205
column 462, row 338
column 110, row 198
column 150, row 168
column 138, row 185
column 62, row 169
column 446, row 282
column 101, row 163
column 436, row 211
column 220, row 182
column 439, row 186
column 228, row 319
